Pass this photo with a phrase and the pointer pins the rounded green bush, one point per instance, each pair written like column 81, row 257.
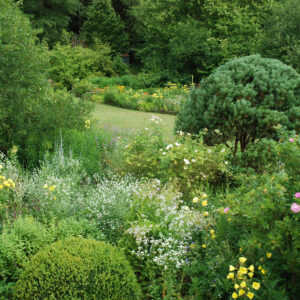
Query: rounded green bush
column 78, row 268
column 243, row 101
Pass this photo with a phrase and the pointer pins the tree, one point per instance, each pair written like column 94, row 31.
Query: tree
column 104, row 24
column 52, row 17
column 176, row 32
column 30, row 112
column 242, row 101
column 281, row 35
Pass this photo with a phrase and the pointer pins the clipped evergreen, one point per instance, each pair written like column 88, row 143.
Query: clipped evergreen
column 78, row 268
column 242, row 102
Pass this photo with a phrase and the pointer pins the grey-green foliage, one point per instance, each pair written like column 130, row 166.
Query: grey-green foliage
column 281, row 34
column 78, row 268
column 242, row 101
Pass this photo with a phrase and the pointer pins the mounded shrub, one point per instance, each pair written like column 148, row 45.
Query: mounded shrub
column 242, row 101
column 78, row 268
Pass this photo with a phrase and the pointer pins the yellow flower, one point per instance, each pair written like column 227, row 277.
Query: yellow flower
column 205, row 214
column 196, row 199
column 251, row 268
column 242, row 260
column 256, row 285
column 213, row 236
column 204, row 246
column 234, row 295
column 204, row 196
column 243, row 270
column 192, row 246
column 263, row 271
column 204, row 203
column 250, row 295
column 212, row 231
column 236, row 286
column 241, row 292
column 230, row 275
column 259, row 267
column 250, row 274
column 45, row 186
column 1, row 186
column 243, row 284
column 269, row 254
column 52, row 188
column 231, row 268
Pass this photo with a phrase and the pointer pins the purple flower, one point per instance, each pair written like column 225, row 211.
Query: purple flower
column 297, row 195
column 295, row 208
column 291, row 140
column 226, row 210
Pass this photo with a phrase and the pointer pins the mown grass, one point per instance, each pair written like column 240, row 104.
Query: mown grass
column 124, row 120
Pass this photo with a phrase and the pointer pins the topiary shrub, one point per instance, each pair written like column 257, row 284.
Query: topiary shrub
column 242, row 101
column 78, row 268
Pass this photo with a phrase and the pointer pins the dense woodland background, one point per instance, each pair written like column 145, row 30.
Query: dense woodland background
column 174, row 38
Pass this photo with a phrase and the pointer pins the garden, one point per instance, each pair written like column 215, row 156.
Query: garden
column 197, row 198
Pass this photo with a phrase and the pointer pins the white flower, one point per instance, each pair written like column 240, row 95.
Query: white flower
column 196, row 150
column 226, row 162
column 223, row 150
column 193, row 160
column 188, row 134
column 169, row 146
column 186, row 208
column 186, row 161
column 164, row 153
column 181, row 132
column 146, row 128
column 209, row 151
column 177, row 144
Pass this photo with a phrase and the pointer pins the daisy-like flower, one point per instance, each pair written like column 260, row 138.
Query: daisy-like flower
column 204, row 202
column 186, row 161
column 196, row 199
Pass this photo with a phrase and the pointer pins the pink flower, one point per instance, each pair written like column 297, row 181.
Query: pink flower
column 226, row 210
column 297, row 195
column 295, row 208
column 291, row 140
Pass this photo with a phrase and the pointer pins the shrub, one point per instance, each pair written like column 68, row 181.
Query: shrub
column 24, row 237
column 78, row 268
column 242, row 101
column 69, row 64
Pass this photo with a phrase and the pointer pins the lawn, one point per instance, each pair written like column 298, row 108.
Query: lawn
column 125, row 119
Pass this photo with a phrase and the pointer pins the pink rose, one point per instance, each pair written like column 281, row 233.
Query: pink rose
column 295, row 208
column 226, row 210
column 297, row 195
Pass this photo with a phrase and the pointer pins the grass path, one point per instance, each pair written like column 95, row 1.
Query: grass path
column 126, row 119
